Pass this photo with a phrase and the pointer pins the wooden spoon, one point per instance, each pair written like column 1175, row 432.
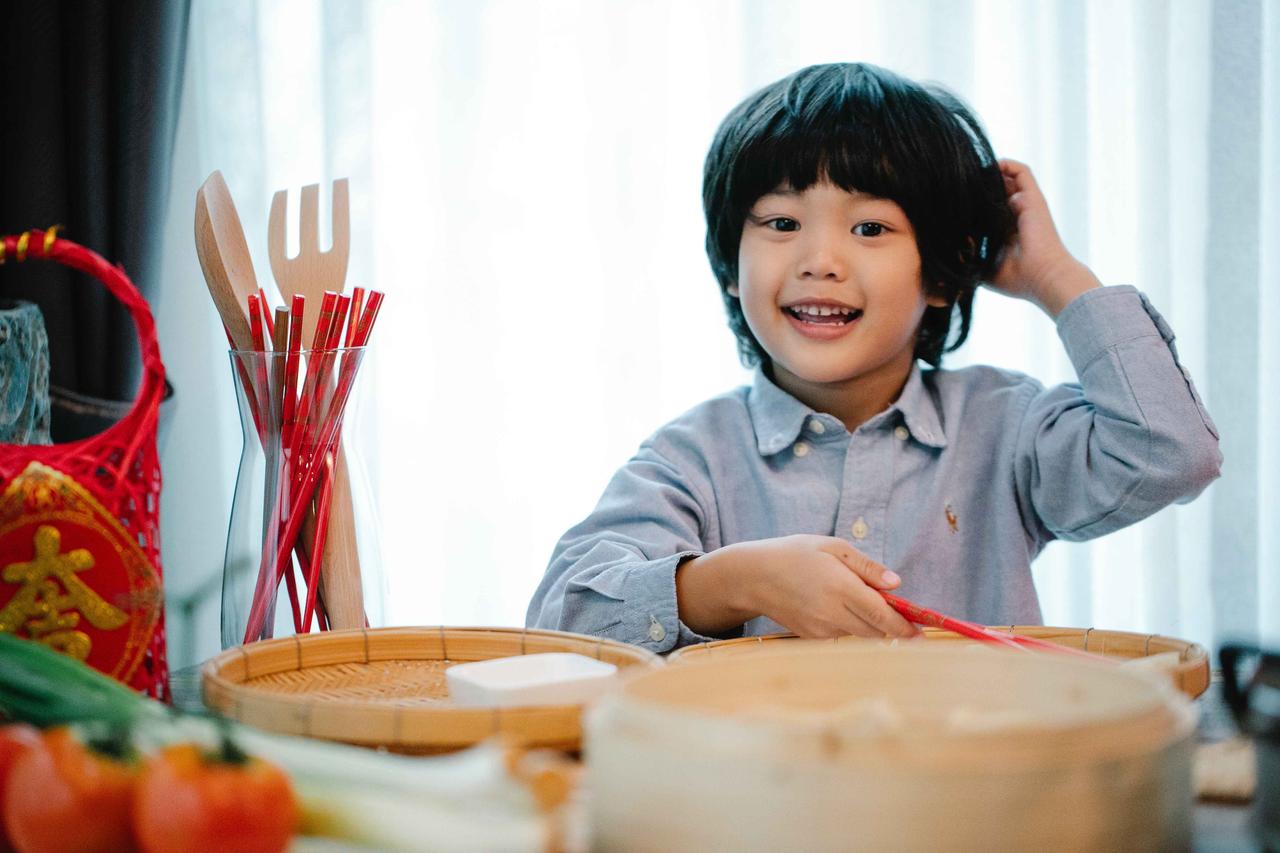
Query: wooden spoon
column 224, row 258
column 311, row 273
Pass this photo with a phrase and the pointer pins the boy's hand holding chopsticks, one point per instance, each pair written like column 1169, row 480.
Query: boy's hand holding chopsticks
column 815, row 586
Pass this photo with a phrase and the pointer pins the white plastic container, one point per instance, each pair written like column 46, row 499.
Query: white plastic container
column 552, row 678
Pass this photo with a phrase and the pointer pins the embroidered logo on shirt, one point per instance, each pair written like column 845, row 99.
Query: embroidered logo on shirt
column 951, row 519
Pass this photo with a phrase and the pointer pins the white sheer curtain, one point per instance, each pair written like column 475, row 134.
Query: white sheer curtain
column 525, row 187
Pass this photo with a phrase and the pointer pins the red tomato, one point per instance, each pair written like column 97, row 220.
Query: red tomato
column 65, row 797
column 190, row 800
column 15, row 739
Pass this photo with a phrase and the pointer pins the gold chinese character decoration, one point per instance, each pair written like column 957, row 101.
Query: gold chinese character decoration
column 50, row 599
column 72, row 575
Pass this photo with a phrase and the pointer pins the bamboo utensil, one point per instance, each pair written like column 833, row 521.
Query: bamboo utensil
column 228, row 272
column 224, row 258
column 312, row 274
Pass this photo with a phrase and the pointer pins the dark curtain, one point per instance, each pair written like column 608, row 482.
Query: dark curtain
column 87, row 124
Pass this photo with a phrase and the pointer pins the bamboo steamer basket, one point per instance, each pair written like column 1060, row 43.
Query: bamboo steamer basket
column 386, row 687
column 753, row 752
column 1191, row 675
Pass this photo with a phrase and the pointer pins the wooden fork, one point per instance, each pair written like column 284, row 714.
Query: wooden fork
column 311, row 273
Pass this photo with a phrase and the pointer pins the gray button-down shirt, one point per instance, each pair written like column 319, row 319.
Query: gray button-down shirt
column 957, row 486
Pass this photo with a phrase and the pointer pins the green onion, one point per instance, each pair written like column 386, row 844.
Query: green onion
column 463, row 801
column 45, row 688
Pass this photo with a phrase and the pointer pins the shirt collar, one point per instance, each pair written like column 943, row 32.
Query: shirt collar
column 778, row 417
column 919, row 410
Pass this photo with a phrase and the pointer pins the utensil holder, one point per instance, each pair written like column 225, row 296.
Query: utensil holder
column 299, row 550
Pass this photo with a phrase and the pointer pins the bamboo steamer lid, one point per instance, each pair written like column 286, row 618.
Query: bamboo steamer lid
column 1189, row 672
column 821, row 747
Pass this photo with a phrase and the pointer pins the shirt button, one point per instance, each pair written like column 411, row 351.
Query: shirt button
column 860, row 529
column 656, row 632
column 901, row 433
column 801, row 448
column 816, row 427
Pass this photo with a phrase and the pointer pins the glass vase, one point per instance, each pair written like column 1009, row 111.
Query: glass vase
column 302, row 546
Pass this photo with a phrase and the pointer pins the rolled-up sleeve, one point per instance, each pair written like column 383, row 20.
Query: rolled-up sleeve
column 613, row 575
column 1129, row 439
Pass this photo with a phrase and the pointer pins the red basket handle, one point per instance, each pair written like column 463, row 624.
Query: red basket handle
column 47, row 245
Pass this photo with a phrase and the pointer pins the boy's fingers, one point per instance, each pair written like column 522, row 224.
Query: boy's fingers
column 856, row 626
column 867, row 604
column 871, row 572
column 880, row 617
column 1021, row 176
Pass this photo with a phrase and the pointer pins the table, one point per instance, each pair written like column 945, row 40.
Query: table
column 1216, row 827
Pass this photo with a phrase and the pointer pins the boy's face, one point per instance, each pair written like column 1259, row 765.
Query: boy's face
column 830, row 285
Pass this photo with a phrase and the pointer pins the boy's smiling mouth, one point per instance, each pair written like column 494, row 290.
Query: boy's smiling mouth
column 822, row 319
column 822, row 312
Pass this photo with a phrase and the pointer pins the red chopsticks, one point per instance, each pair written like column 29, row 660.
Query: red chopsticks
column 933, row 619
column 298, row 409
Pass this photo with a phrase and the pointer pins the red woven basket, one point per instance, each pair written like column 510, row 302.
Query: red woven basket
column 79, row 522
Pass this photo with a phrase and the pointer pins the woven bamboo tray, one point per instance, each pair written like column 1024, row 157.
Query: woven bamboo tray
column 386, row 687
column 1191, row 675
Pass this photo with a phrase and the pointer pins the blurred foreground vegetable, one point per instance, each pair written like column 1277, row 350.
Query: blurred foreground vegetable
column 66, row 795
column 190, row 799
column 15, row 739
column 459, row 802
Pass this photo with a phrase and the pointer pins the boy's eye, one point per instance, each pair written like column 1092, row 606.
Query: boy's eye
column 868, row 229
column 782, row 223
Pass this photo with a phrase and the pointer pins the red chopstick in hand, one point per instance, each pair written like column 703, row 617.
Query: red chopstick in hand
column 933, row 619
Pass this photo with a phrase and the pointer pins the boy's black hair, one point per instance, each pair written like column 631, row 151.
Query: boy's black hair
column 864, row 128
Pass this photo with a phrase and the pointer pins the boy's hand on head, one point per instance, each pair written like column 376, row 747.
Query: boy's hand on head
column 820, row 587
column 1035, row 265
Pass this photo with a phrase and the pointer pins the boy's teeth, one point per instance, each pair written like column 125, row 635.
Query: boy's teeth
column 820, row 310
column 820, row 313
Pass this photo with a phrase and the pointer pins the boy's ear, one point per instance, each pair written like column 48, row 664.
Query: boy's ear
column 732, row 290
column 933, row 297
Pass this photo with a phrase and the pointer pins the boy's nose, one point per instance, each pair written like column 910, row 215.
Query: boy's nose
column 821, row 261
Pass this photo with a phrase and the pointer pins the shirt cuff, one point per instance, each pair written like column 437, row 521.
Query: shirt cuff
column 1104, row 317
column 652, row 618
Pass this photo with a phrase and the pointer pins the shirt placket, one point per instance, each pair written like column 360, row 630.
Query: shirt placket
column 864, row 494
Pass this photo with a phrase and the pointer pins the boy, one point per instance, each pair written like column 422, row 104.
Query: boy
column 850, row 215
